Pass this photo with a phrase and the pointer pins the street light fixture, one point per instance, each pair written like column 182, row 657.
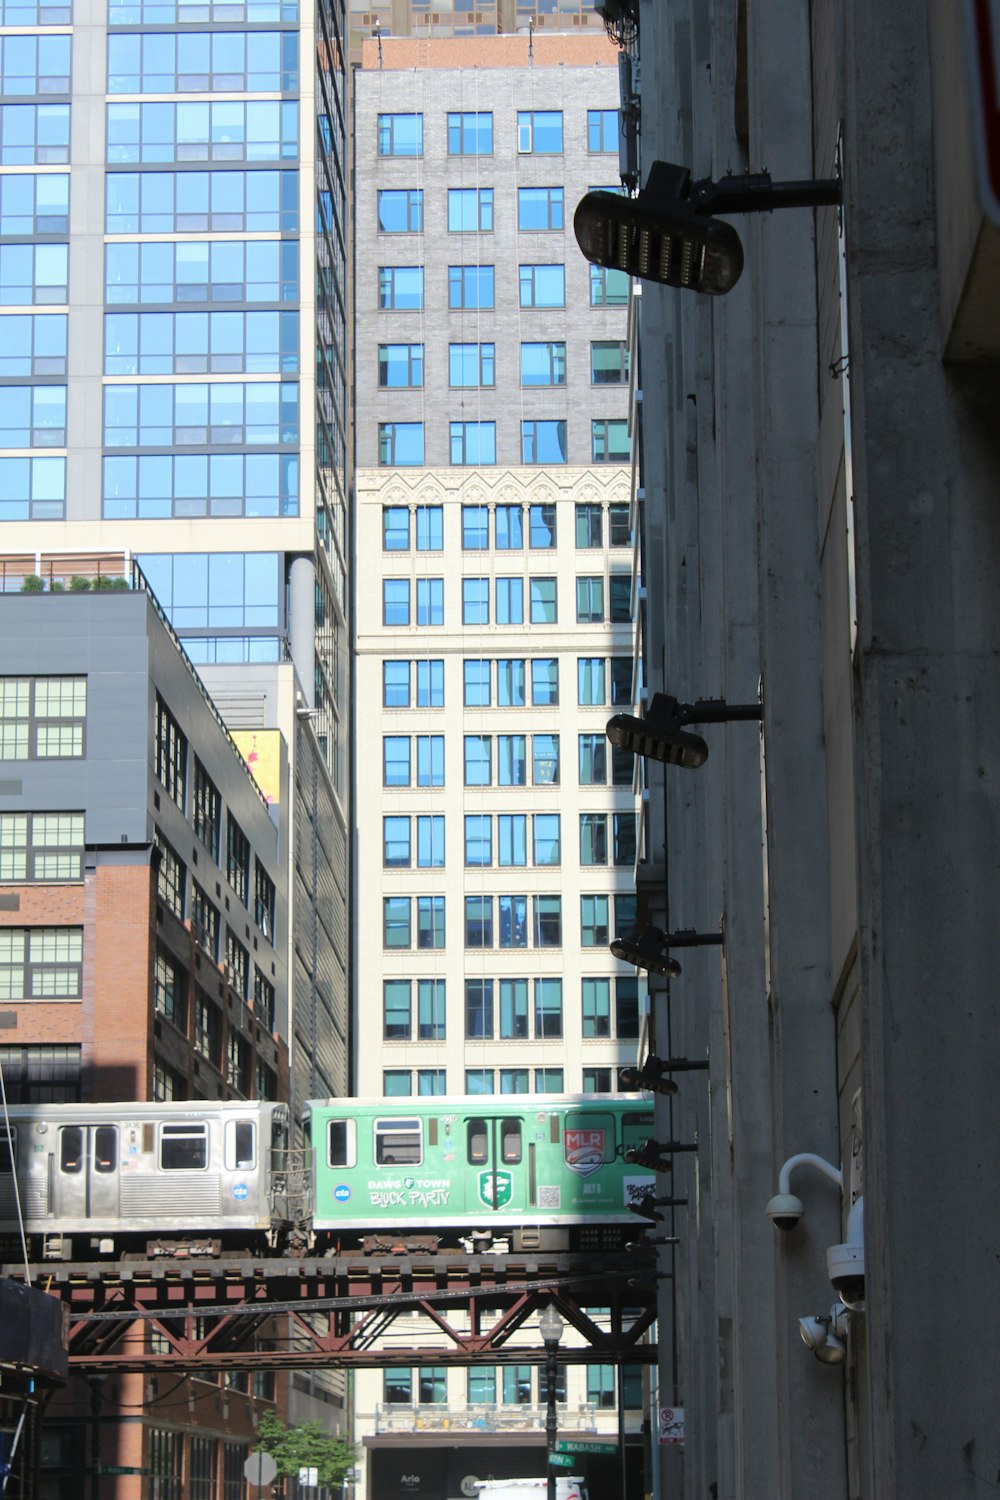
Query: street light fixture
column 550, row 1326
column 661, row 734
column 667, row 233
column 649, row 948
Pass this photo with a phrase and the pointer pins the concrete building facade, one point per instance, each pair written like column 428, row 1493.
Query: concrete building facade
column 818, row 469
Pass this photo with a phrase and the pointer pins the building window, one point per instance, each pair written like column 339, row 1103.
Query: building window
column 400, row 210
column 396, row 760
column 548, row 1008
column 476, row 683
column 470, row 210
column 430, row 601
column 237, row 858
column 263, row 1004
column 237, row 964
column 481, row 1388
column 510, row 682
column 395, row 684
column 593, row 839
column 543, row 364
column 470, row 133
column 512, row 840
column 397, row 1387
column 171, row 876
column 470, row 286
column 167, row 1084
column 41, row 1073
column 400, row 288
column 396, row 1019
column 602, row 130
column 396, row 922
column 609, row 362
column 475, row 601
column 626, row 912
column 513, row 923
column 475, row 527
column 479, row 921
column 594, row 921
column 601, row 1385
column 202, row 1463
column 430, row 683
column 621, row 679
column 207, row 1029
column 400, row 366
column 609, row 441
column 400, row 444
column 546, row 839
column 170, row 990
column 545, row 759
column 478, row 840
column 590, row 688
column 430, row 842
column 431, row 1010
column 401, row 135
column 508, row 524
column 478, row 1008
column 512, row 767
column 430, row 760
column 431, row 1081
column 596, row 1007
column 41, row 963
column 541, row 527
column 395, row 601
column 516, row 1379
column 624, row 838
column 620, row 598
column 593, row 764
column 589, row 526
column 608, row 288
column 237, row 1062
column 430, row 922
column 171, row 754
column 396, row 843
column 540, row 132
column 479, row 1081
column 539, row 208
column 627, row 1007
column 548, row 921
column 471, row 365
column 543, row 286
column 619, row 526
column 510, row 601
column 41, row 846
column 589, row 601
column 32, row 416
column 478, row 760
column 473, row 442
column 543, row 442
column 207, row 811
column 165, row 1455
column 542, row 592
column 204, row 921
column 430, row 528
column 597, row 1080
column 397, row 1083
column 544, row 681
column 513, row 1009
column 548, row 1080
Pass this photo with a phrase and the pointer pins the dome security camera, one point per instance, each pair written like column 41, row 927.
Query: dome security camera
column 845, row 1266
column 785, row 1211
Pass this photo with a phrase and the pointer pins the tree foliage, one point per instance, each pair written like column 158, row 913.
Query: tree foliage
column 306, row 1446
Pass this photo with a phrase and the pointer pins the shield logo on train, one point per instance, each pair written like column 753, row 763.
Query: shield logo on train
column 584, row 1151
column 498, row 1184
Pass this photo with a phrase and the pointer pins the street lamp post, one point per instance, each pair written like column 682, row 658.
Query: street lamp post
column 550, row 1326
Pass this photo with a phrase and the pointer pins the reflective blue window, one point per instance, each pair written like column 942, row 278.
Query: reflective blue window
column 470, row 286
column 33, row 345
column 400, row 365
column 540, row 131
column 32, row 489
column 471, row 365
column 608, row 288
column 202, row 62
column 34, row 13
column 32, row 416
column 430, row 528
column 430, row 762
column 473, row 442
column 543, row 442
column 400, row 210
column 430, row 841
column 201, row 484
column 470, row 133
column 196, row 202
column 180, row 12
column 34, row 65
column 475, row 601
column 34, row 205
column 539, row 208
column 33, row 274
column 166, row 416
column 401, row 288
column 202, row 271
column 430, row 680
column 543, row 364
column 401, row 135
column 216, row 590
column 395, row 601
column 401, row 443
column 602, row 130
column 477, row 683
column 470, row 210
column 396, row 684
column 430, row 601
column 235, row 131
column 34, row 134
column 543, row 286
column 190, row 343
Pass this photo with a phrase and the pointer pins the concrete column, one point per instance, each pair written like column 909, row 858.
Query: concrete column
column 302, row 623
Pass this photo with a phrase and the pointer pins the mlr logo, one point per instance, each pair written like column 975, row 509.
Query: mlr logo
column 584, row 1151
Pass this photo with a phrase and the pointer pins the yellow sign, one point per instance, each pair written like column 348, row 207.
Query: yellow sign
column 261, row 749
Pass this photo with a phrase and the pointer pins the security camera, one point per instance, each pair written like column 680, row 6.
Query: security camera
column 785, row 1211
column 845, row 1266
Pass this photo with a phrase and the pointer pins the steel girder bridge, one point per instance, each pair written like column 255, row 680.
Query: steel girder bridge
column 236, row 1313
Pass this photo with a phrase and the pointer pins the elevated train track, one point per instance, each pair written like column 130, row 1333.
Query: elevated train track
column 336, row 1312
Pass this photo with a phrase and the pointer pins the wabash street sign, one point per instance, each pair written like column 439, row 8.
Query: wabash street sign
column 983, row 30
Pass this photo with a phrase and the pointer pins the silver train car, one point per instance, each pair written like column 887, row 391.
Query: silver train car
column 190, row 1178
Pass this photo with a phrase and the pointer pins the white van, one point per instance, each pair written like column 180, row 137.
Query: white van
column 572, row 1487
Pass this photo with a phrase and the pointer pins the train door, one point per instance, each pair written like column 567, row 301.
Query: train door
column 495, row 1155
column 8, row 1163
column 86, row 1172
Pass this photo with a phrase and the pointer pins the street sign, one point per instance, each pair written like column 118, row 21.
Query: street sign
column 259, row 1470
column 983, row 31
column 579, row 1445
column 119, row 1469
column 309, row 1477
column 562, row 1460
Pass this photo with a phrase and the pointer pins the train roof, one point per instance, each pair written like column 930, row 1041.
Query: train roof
column 142, row 1109
column 481, row 1102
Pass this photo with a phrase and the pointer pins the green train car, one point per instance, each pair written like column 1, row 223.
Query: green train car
column 544, row 1171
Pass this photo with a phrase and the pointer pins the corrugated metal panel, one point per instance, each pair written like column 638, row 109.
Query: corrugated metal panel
column 185, row 1194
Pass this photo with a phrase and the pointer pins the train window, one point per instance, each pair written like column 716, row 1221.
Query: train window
column 398, row 1142
column 510, row 1141
column 8, row 1148
column 241, row 1146
column 341, row 1143
column 588, row 1138
column 637, row 1126
column 476, row 1135
column 105, row 1148
column 183, row 1148
column 71, row 1148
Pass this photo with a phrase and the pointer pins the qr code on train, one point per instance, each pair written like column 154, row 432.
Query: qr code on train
column 549, row 1197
